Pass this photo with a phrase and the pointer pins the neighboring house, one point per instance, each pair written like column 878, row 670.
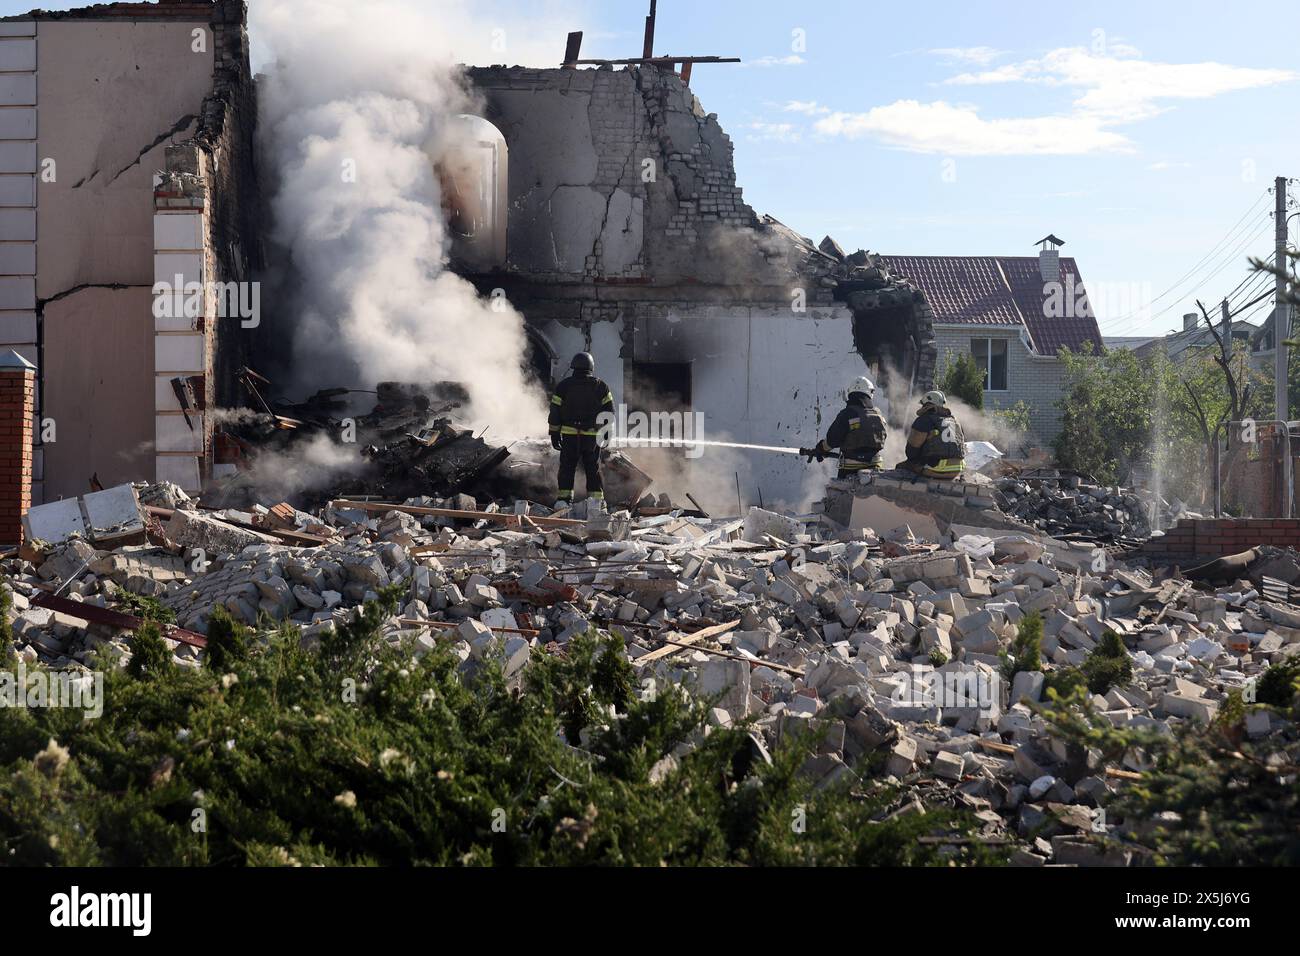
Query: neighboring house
column 1195, row 338
column 126, row 160
column 1014, row 314
column 1261, row 343
column 1130, row 342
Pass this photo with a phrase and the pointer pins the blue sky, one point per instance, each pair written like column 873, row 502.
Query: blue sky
column 1140, row 133
column 1143, row 134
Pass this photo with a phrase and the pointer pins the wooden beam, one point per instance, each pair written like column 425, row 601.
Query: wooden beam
column 659, row 60
column 686, row 78
column 687, row 640
column 499, row 517
column 94, row 614
column 647, row 50
column 420, row 622
column 571, row 50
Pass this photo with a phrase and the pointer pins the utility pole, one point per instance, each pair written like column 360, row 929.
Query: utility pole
column 1281, row 309
column 1227, row 333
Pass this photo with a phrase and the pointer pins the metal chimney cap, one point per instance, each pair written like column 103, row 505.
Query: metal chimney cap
column 9, row 359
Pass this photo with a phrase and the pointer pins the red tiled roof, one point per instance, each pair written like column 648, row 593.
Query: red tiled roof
column 1001, row 290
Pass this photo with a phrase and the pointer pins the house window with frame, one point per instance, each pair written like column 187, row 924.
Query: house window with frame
column 991, row 357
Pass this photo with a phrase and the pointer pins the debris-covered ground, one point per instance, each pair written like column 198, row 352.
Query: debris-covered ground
column 911, row 674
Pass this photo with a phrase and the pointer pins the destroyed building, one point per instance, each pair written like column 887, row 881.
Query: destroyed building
column 96, row 101
column 627, row 235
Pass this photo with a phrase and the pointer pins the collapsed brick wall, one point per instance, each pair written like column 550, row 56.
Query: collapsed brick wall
column 1216, row 537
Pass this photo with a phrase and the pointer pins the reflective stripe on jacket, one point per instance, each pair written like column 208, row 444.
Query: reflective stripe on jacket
column 577, row 402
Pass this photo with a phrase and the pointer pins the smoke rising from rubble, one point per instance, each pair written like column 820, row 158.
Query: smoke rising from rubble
column 366, row 94
column 903, row 404
column 315, row 463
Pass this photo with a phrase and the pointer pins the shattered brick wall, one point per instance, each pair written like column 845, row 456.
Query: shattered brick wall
column 629, row 237
column 620, row 175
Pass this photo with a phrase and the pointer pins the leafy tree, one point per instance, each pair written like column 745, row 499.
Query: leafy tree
column 963, row 379
column 1108, row 411
column 1015, row 416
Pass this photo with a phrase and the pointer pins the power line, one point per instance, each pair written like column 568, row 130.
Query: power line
column 1227, row 239
column 1261, row 279
column 1234, row 256
column 1232, row 313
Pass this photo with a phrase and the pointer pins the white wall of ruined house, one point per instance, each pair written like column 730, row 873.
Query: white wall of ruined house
column 107, row 90
column 759, row 374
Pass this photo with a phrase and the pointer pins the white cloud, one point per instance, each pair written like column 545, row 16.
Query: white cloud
column 806, row 107
column 1122, row 87
column 960, row 131
column 779, row 132
column 979, row 55
column 792, row 60
column 1111, row 90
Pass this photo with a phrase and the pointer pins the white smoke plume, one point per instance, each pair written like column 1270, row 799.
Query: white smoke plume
column 355, row 106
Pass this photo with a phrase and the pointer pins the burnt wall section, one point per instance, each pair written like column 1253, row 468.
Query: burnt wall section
column 577, row 201
column 226, row 132
column 893, row 325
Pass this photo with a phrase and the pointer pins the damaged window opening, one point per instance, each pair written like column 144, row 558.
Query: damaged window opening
column 472, row 176
column 883, row 337
column 652, row 387
column 991, row 357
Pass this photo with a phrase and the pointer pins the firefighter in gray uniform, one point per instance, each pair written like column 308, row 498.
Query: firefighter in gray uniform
column 858, row 432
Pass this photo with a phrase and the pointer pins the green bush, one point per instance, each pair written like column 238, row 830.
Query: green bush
column 1065, row 682
column 362, row 753
column 1279, row 684
column 150, row 656
column 228, row 640
column 1026, row 652
column 963, row 379
column 1108, row 664
column 1209, row 796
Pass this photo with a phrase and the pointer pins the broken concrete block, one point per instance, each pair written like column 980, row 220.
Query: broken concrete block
column 902, row 757
column 731, row 680
column 517, row 651
column 1193, row 708
column 192, row 530
column 1027, row 685
column 947, row 765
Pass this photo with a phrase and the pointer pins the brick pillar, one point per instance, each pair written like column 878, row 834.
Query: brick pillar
column 17, row 414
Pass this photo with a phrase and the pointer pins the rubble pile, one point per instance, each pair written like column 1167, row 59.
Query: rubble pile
column 408, row 444
column 1067, row 505
column 874, row 647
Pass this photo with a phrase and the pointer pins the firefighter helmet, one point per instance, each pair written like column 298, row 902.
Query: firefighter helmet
column 936, row 398
column 861, row 384
column 583, row 362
